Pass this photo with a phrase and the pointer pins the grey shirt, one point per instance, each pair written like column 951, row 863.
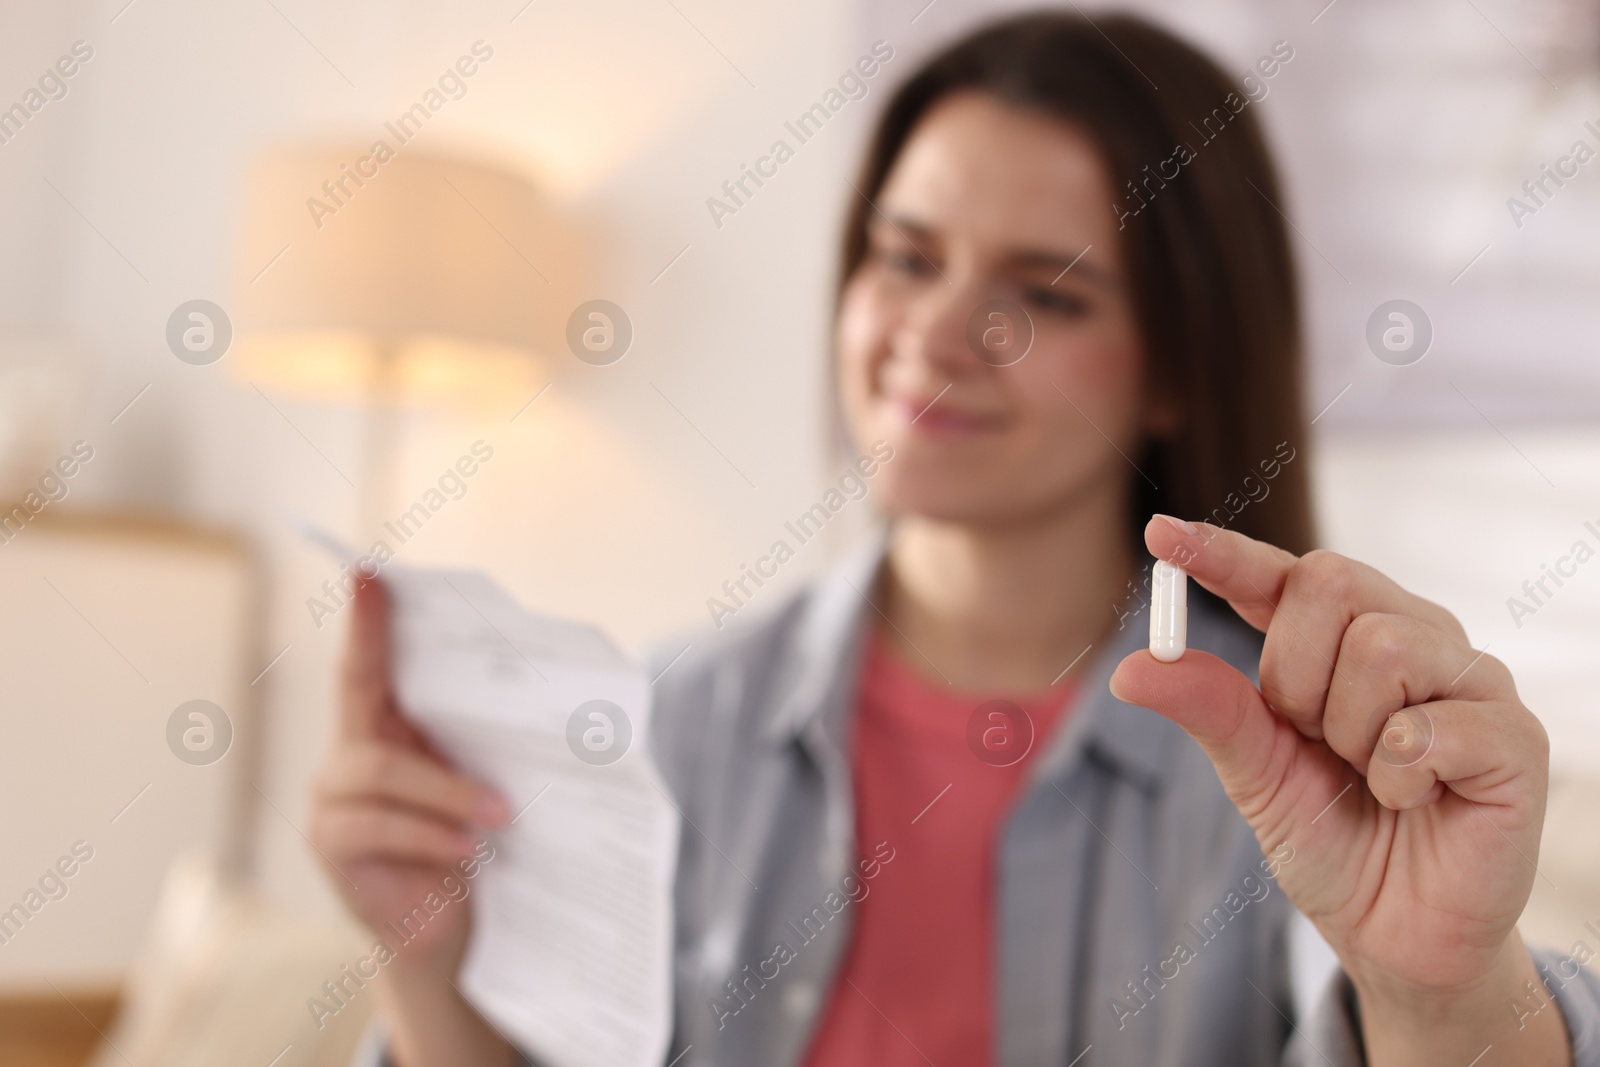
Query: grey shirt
column 1120, row 848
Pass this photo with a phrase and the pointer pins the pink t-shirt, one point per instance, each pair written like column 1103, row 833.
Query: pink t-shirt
column 935, row 771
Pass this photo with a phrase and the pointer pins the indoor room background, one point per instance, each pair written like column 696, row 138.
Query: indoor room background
column 599, row 149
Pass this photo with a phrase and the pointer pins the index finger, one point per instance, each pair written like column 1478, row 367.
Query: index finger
column 1252, row 576
column 1248, row 574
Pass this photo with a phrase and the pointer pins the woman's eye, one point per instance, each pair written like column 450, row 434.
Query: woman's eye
column 1055, row 300
column 905, row 261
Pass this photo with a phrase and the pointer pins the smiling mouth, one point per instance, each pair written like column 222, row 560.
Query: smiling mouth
column 938, row 416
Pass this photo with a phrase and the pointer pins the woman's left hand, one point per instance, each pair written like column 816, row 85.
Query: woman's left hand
column 1402, row 768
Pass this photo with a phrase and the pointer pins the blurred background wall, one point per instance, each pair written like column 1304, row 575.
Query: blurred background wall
column 627, row 493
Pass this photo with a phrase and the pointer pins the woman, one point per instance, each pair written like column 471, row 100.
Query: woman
column 928, row 816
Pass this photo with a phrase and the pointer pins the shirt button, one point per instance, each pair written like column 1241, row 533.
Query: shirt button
column 800, row 998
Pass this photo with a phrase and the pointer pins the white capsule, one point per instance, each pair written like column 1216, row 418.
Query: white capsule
column 1169, row 612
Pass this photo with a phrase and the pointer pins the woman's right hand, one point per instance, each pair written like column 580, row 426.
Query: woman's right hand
column 390, row 818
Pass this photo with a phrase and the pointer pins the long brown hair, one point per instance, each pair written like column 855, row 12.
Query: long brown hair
column 1213, row 283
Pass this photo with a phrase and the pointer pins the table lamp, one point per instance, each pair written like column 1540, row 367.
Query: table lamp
column 389, row 278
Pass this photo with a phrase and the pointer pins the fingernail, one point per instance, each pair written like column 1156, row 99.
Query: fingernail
column 465, row 843
column 1188, row 529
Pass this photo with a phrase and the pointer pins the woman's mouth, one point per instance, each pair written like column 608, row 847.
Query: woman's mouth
column 938, row 415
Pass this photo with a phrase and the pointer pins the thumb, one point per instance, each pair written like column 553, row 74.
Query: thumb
column 370, row 711
column 1251, row 747
column 365, row 674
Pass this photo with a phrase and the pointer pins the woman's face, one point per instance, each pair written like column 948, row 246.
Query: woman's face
column 989, row 202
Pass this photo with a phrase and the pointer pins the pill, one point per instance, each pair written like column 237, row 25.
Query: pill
column 1169, row 611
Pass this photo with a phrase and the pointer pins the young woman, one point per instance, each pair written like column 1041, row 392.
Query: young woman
column 928, row 816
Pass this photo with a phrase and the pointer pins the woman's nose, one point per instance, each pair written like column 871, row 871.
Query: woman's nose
column 935, row 328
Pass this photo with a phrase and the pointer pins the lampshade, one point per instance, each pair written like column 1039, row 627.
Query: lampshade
column 382, row 273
